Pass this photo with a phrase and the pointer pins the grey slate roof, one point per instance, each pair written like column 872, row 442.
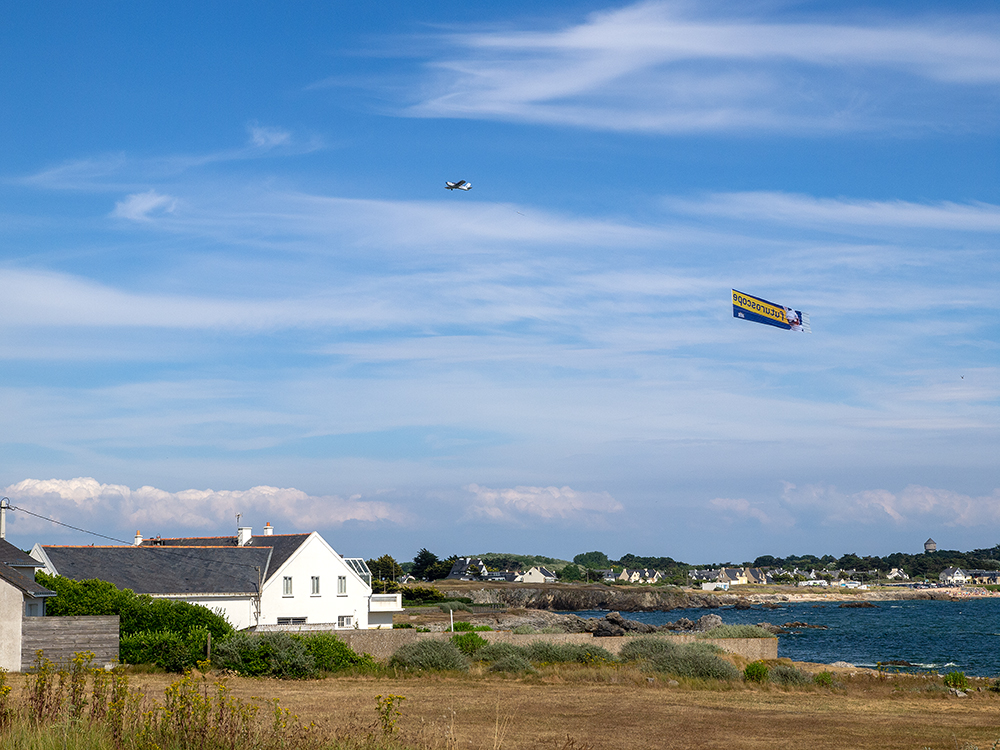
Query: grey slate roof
column 11, row 555
column 167, row 569
column 282, row 545
column 25, row 583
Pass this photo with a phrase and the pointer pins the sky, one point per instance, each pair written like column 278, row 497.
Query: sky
column 232, row 281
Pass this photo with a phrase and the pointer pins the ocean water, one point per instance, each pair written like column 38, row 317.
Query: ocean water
column 930, row 635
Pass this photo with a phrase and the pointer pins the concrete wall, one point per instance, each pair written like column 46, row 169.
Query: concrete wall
column 381, row 644
column 11, row 614
column 60, row 638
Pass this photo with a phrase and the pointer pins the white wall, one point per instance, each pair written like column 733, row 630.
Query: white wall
column 315, row 558
column 11, row 612
column 238, row 610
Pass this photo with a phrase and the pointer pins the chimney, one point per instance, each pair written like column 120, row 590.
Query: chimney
column 268, row 529
column 138, row 539
column 243, row 535
column 4, row 504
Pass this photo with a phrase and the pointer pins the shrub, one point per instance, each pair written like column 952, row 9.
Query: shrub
column 496, row 651
column 590, row 654
column 511, row 663
column 693, row 660
column 546, row 652
column 647, row 648
column 736, row 631
column 274, row 654
column 138, row 613
column 468, row 627
column 789, row 676
column 823, row 679
column 331, row 654
column 524, row 630
column 454, row 607
column 756, row 671
column 422, row 595
column 468, row 643
column 956, row 681
column 164, row 649
column 432, row 655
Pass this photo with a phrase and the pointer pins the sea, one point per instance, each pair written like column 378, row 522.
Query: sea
column 938, row 636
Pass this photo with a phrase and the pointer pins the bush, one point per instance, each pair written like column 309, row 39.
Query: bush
column 647, row 648
column 693, row 660
column 956, row 681
column 138, row 613
column 736, row 631
column 496, row 651
column 468, row 627
column 331, row 654
column 823, row 679
column 164, row 649
column 431, row 655
column 546, row 652
column 468, row 643
column 756, row 671
column 524, row 630
column 273, row 654
column 413, row 595
column 789, row 676
column 511, row 663
column 453, row 607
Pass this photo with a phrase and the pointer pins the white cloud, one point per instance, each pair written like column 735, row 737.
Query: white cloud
column 659, row 67
column 804, row 210
column 265, row 137
column 524, row 505
column 114, row 509
column 914, row 504
column 739, row 509
column 139, row 206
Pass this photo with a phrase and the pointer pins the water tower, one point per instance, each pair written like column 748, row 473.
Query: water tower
column 930, row 546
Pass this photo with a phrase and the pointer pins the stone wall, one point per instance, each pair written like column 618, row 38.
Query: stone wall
column 381, row 644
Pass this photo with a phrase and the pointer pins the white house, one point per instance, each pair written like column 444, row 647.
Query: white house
column 20, row 597
column 270, row 579
column 538, row 574
column 953, row 577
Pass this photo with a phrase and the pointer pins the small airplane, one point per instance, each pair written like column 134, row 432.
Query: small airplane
column 460, row 185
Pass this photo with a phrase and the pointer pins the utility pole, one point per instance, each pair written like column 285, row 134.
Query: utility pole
column 4, row 504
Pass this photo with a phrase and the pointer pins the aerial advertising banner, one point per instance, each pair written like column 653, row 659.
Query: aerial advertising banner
column 759, row 310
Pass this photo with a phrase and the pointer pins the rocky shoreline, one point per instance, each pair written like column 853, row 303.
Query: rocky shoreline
column 570, row 598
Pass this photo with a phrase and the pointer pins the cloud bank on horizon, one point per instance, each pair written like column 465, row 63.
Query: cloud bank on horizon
column 274, row 291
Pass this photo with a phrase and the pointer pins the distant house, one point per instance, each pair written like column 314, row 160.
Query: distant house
column 953, row 577
column 467, row 569
column 269, row 579
column 897, row 574
column 510, row 576
column 732, row 576
column 538, row 574
column 755, row 575
column 703, row 575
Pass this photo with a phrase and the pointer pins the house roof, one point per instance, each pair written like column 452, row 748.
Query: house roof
column 11, row 555
column 282, row 546
column 167, row 569
column 25, row 583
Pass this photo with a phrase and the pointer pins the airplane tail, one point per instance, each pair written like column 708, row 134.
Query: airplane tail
column 467, row 186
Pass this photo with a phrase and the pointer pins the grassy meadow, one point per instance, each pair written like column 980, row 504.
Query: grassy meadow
column 560, row 706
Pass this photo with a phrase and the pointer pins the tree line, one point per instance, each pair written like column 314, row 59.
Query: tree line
column 428, row 566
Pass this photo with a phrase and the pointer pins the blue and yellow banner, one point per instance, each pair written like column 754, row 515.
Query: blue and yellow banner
column 759, row 310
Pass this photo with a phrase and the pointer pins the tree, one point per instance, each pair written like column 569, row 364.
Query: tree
column 592, row 560
column 571, row 573
column 385, row 568
column 423, row 560
column 440, row 569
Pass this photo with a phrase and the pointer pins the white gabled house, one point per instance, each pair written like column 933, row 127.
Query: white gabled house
column 271, row 579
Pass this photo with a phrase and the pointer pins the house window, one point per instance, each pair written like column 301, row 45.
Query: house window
column 286, row 586
column 315, row 585
column 344, row 621
column 341, row 585
column 291, row 621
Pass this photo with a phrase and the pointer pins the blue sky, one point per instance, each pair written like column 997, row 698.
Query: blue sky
column 232, row 281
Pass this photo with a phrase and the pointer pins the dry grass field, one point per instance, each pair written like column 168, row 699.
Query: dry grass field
column 574, row 707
